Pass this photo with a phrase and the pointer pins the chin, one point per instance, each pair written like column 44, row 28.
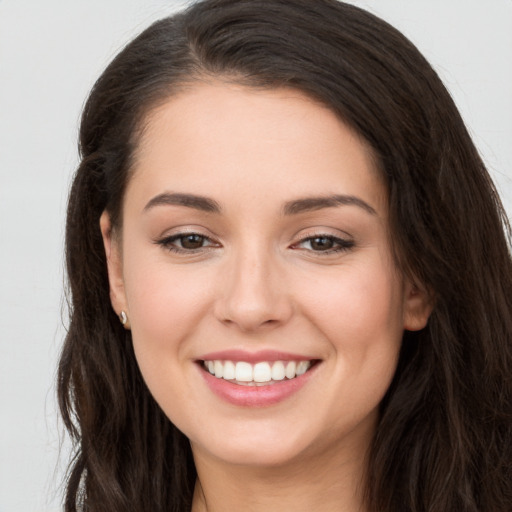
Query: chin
column 260, row 447
column 272, row 444
column 266, row 455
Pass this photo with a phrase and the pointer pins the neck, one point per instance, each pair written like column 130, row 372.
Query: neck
column 325, row 483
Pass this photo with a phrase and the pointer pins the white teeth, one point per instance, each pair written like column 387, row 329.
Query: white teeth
column 229, row 370
column 261, row 372
column 278, row 371
column 290, row 370
column 243, row 372
column 219, row 369
column 302, row 367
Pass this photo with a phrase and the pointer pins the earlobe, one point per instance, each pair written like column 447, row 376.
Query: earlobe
column 114, row 266
column 418, row 306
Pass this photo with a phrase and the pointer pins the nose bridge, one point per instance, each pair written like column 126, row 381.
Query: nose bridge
column 253, row 294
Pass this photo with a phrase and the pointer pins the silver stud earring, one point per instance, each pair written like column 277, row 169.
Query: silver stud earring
column 123, row 317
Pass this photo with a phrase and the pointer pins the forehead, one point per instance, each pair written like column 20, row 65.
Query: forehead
column 212, row 136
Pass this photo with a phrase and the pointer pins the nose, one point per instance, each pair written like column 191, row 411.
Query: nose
column 252, row 294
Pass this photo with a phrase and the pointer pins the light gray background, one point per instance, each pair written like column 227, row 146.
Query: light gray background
column 50, row 54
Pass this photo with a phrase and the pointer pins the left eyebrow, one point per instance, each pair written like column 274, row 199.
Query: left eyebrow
column 309, row 204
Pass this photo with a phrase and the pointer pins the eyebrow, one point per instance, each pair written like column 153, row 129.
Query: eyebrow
column 204, row 204
column 309, row 204
column 303, row 205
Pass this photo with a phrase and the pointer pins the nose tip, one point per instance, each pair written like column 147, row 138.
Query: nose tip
column 253, row 298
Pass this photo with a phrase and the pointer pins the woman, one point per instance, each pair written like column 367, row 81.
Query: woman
column 289, row 275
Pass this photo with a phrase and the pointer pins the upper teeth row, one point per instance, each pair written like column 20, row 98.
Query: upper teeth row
column 259, row 372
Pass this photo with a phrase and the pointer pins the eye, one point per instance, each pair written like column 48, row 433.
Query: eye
column 324, row 244
column 191, row 241
column 186, row 242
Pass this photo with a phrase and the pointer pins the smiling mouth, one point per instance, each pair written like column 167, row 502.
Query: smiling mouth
column 260, row 374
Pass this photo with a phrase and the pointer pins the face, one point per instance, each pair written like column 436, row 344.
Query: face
column 255, row 267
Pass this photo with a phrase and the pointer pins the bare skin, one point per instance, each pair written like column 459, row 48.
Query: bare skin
column 324, row 483
column 256, row 221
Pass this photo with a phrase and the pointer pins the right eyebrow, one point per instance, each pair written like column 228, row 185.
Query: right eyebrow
column 201, row 203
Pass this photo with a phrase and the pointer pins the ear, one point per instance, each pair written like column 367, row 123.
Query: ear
column 418, row 305
column 114, row 267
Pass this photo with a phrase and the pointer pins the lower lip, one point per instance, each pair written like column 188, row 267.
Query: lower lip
column 255, row 396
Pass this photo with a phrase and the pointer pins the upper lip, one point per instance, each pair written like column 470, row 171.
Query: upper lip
column 253, row 357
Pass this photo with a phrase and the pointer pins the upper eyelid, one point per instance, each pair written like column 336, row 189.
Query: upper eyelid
column 342, row 241
column 322, row 231
column 169, row 243
column 296, row 239
column 186, row 233
column 181, row 234
column 324, row 235
column 186, row 230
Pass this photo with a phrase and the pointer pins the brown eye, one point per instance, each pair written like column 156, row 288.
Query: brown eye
column 326, row 244
column 192, row 241
column 187, row 243
column 321, row 243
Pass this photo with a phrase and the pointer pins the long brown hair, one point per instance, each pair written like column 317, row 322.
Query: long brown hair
column 444, row 440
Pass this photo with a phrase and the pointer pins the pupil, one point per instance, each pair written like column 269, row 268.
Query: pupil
column 321, row 243
column 192, row 241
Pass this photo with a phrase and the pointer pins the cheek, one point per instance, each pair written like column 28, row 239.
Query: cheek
column 165, row 310
column 165, row 305
column 358, row 308
column 361, row 319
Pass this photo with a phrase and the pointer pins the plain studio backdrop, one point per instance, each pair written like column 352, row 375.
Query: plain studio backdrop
column 51, row 52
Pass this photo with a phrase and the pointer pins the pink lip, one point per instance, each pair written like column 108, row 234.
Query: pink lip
column 254, row 396
column 253, row 357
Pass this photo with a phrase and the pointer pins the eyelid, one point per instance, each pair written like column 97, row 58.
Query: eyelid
column 184, row 230
column 166, row 240
column 321, row 231
column 344, row 241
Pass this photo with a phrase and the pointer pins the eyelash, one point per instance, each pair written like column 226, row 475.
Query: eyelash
column 341, row 243
column 169, row 243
